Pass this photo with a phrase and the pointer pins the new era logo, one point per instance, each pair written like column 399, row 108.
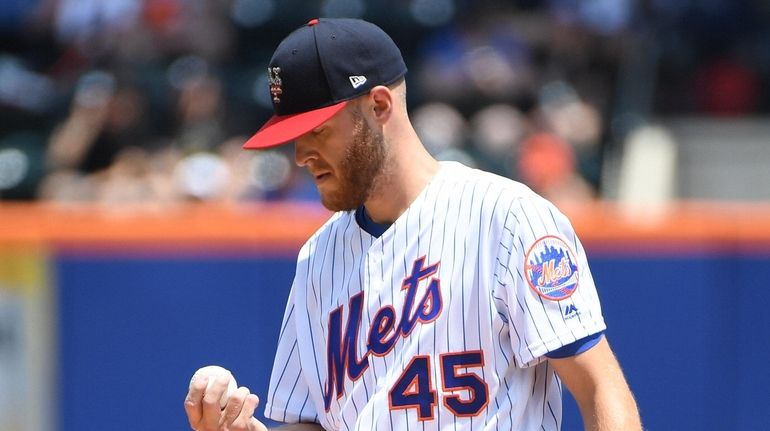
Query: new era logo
column 357, row 81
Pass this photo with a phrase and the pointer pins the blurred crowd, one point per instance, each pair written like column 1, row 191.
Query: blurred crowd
column 128, row 101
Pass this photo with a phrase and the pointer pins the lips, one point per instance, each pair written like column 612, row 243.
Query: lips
column 321, row 176
column 319, row 171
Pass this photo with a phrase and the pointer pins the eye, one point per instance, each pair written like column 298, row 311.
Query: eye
column 319, row 131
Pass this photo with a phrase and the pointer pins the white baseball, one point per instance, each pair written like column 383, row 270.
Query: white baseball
column 212, row 372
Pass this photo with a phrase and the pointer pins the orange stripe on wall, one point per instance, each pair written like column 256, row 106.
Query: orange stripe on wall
column 288, row 225
column 689, row 224
column 273, row 225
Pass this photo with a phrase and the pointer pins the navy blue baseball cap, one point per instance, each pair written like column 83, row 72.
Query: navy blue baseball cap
column 318, row 68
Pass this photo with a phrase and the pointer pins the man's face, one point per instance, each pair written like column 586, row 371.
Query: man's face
column 345, row 156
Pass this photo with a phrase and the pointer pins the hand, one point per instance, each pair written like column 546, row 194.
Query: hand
column 204, row 413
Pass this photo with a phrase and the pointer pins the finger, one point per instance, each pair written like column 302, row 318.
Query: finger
column 192, row 403
column 255, row 425
column 234, row 405
column 212, row 411
column 246, row 421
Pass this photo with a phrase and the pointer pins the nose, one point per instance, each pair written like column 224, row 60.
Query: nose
column 303, row 151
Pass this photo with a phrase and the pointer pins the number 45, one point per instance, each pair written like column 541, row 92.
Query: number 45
column 414, row 388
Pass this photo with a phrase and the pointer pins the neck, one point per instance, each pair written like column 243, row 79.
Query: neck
column 407, row 171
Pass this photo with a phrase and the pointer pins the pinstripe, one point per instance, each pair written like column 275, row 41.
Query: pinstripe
column 406, row 266
column 332, row 268
column 332, row 285
column 382, row 277
column 479, row 289
column 528, row 312
column 392, row 295
column 328, row 237
column 294, row 386
column 545, row 395
column 365, row 260
column 443, row 238
column 505, row 382
column 467, row 238
column 302, row 409
column 355, row 266
column 309, row 280
column 403, row 340
column 522, row 340
column 289, row 316
column 491, row 313
column 349, row 271
column 427, row 254
column 318, row 369
column 454, row 254
column 382, row 253
column 547, row 402
column 283, row 372
column 311, row 244
column 362, row 266
column 462, row 273
column 310, row 260
column 323, row 266
column 373, row 362
column 494, row 360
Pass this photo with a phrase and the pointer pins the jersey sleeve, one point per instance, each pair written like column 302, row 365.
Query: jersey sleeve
column 288, row 398
column 544, row 289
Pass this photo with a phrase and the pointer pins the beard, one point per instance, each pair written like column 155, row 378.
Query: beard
column 360, row 168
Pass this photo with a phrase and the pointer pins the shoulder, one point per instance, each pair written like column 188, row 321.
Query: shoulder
column 509, row 195
column 455, row 174
column 332, row 227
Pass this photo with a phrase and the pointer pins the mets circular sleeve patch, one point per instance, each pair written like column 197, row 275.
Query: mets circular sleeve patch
column 551, row 268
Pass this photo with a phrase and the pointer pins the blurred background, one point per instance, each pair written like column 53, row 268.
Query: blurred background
column 127, row 206
column 149, row 100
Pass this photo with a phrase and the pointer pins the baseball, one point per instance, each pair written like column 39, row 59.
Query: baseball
column 212, row 372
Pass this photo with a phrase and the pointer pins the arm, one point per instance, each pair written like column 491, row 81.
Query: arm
column 596, row 381
column 71, row 141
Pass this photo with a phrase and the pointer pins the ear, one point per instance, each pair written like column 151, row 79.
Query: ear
column 382, row 100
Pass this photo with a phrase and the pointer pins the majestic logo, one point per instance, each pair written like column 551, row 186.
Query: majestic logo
column 570, row 311
column 275, row 83
column 385, row 330
column 551, row 269
column 357, row 81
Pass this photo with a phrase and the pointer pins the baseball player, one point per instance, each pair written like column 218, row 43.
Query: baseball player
column 437, row 297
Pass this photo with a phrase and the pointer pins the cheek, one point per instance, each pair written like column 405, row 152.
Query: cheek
column 337, row 155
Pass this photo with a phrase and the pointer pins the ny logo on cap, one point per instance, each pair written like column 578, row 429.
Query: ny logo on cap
column 357, row 81
column 275, row 83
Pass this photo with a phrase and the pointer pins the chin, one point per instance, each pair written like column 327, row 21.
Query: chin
column 334, row 202
column 337, row 206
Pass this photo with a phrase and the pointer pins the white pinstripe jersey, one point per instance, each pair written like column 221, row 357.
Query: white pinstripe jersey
column 441, row 323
